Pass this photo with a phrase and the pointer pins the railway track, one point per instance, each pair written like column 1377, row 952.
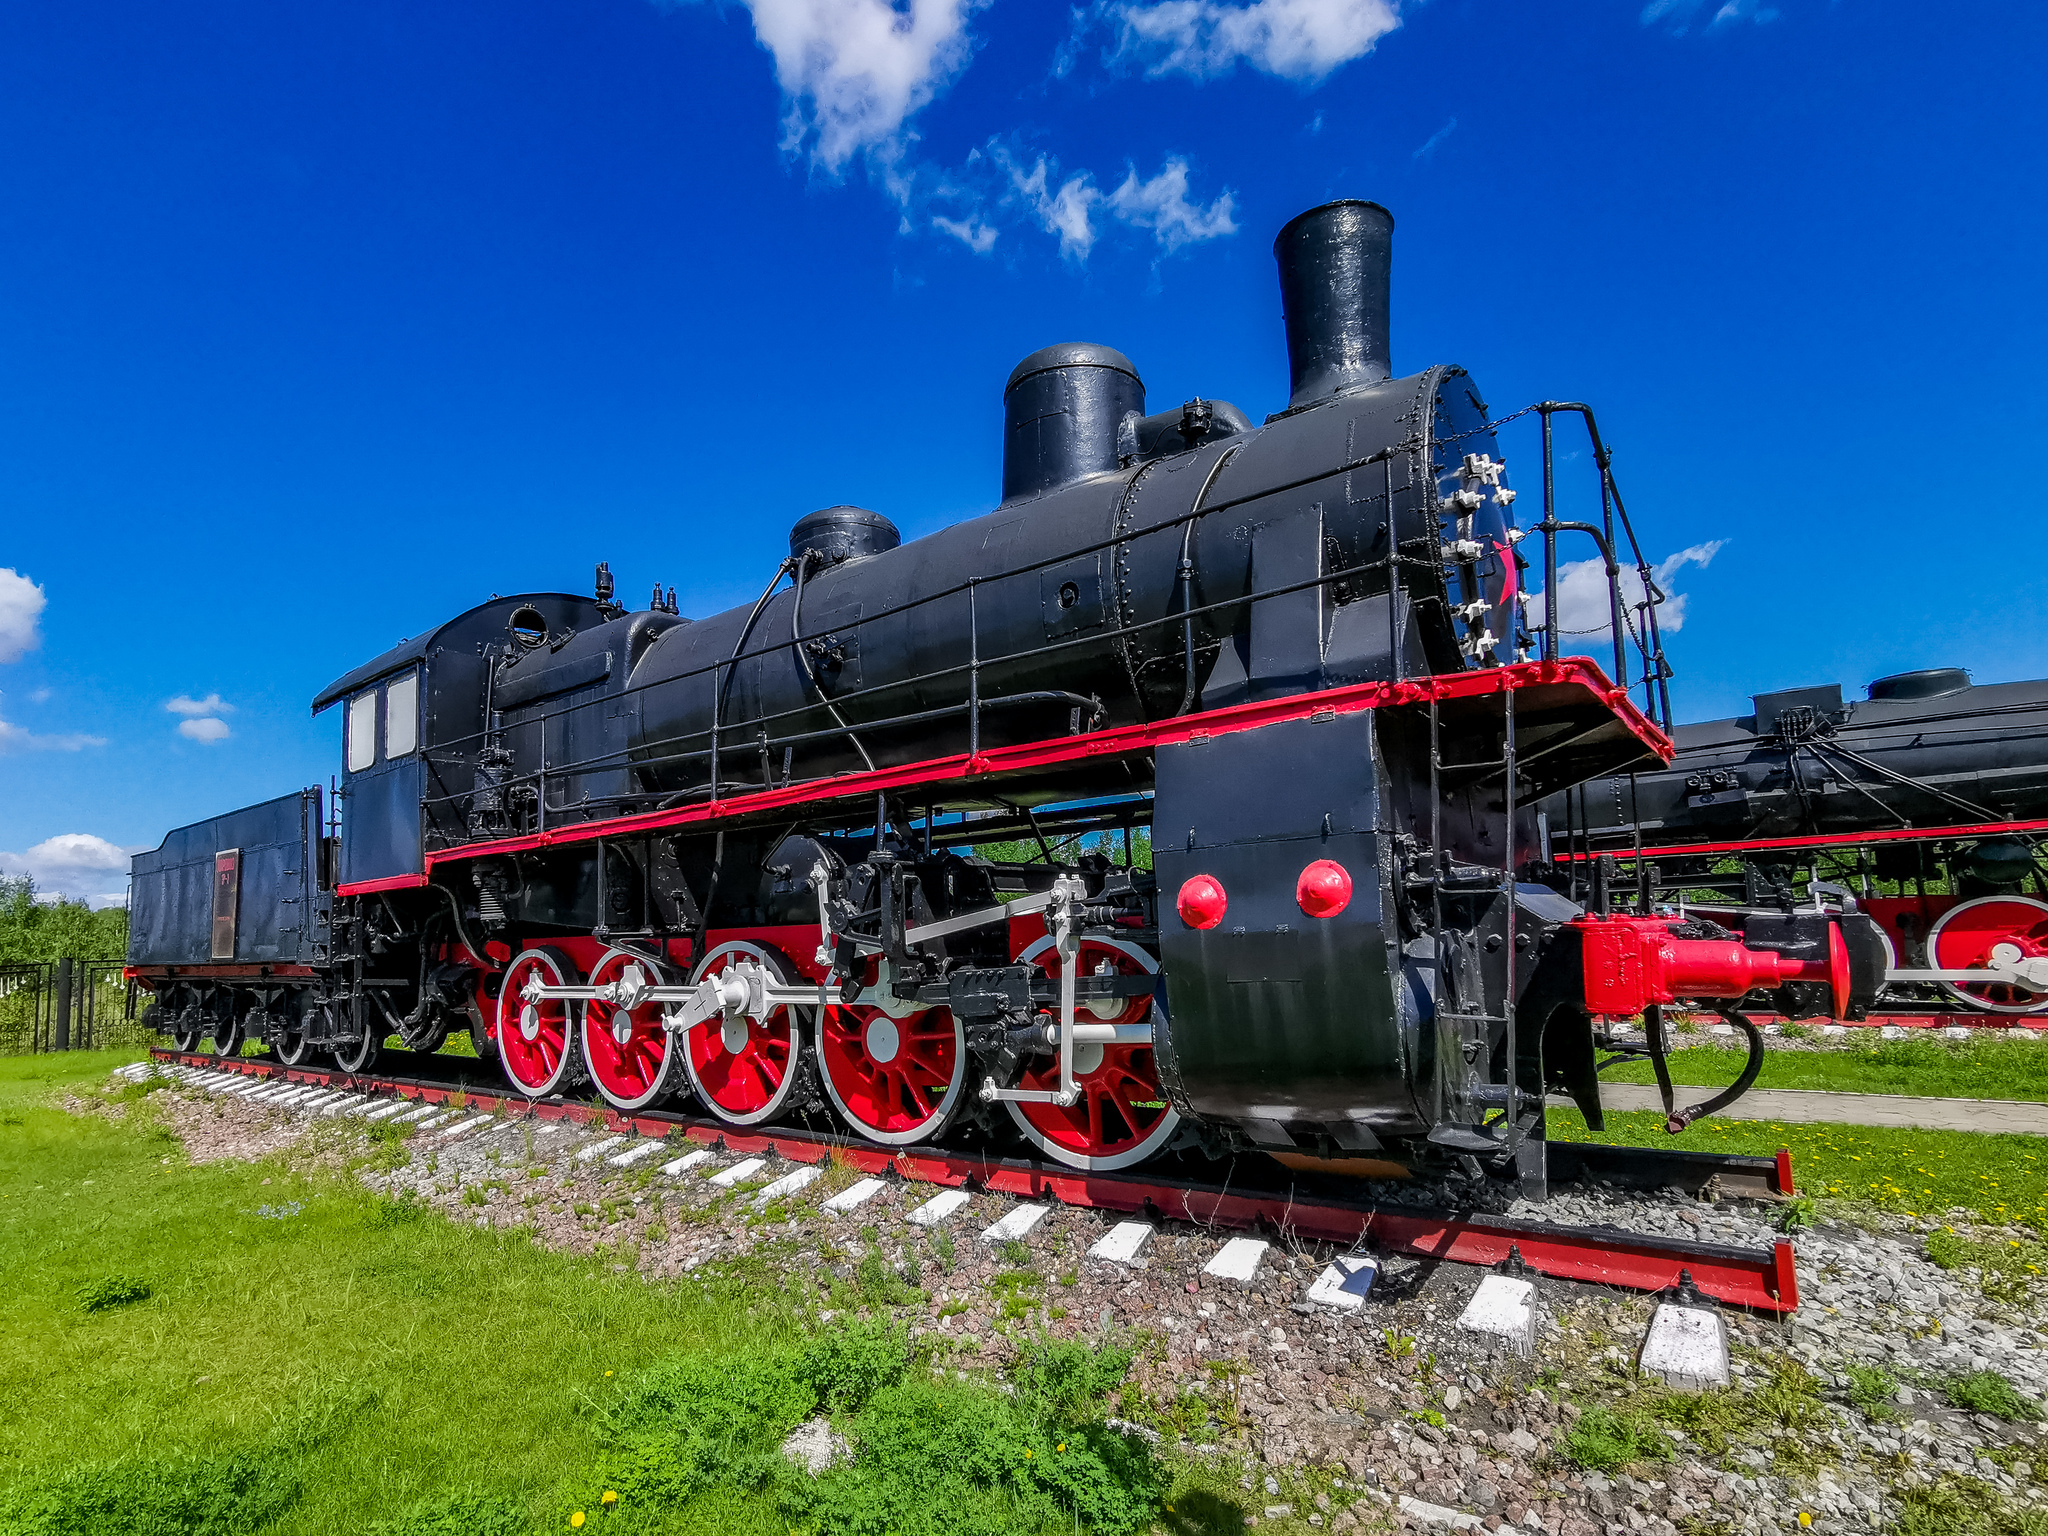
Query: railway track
column 1254, row 1194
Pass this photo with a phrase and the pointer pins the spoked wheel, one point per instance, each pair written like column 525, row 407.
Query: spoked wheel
column 745, row 1069
column 897, row 1072
column 227, row 1037
column 359, row 1054
column 537, row 1041
column 1122, row 1116
column 1965, row 936
column 289, row 1045
column 624, row 1042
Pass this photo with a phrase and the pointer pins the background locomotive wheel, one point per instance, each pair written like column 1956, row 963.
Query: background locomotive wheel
column 745, row 1070
column 628, row 1050
column 187, row 1029
column 1123, row 1116
column 538, row 1044
column 1964, row 936
column 896, row 1072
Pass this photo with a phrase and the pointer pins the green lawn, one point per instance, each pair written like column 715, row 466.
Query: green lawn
column 1989, row 1068
column 1998, row 1178
column 399, row 1357
column 194, row 1349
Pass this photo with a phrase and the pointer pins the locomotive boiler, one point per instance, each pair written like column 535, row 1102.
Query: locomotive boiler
column 1922, row 804
column 742, row 860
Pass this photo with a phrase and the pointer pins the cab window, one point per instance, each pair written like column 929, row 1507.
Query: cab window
column 362, row 731
column 402, row 716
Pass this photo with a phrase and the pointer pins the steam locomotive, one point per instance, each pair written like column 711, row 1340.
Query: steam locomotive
column 736, row 860
column 1929, row 786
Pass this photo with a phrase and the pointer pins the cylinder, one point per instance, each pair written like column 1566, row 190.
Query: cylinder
column 1061, row 411
column 1336, row 270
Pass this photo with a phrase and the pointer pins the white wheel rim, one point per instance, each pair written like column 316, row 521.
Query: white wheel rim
column 1959, row 989
column 527, row 1025
column 621, row 1031
column 734, row 1035
column 1084, row 1064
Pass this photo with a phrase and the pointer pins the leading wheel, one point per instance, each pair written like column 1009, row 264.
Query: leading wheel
column 745, row 1068
column 1122, row 1116
column 537, row 1039
column 624, row 1042
column 1963, row 939
column 896, row 1071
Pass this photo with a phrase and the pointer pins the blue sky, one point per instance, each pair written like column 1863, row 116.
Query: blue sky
column 321, row 322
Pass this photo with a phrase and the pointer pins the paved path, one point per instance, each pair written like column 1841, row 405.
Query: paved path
column 1804, row 1106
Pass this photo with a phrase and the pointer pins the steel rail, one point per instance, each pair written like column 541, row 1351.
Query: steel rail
column 1756, row 1279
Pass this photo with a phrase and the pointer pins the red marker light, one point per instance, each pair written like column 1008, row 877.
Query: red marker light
column 1201, row 902
column 1324, row 889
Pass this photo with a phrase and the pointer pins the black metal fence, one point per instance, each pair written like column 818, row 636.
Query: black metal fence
column 64, row 1005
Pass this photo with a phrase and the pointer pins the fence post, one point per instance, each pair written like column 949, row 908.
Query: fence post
column 61, row 1033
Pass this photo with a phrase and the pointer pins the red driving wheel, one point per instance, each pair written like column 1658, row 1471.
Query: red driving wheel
column 1963, row 938
column 537, row 1040
column 745, row 1068
column 625, row 1045
column 1122, row 1116
column 896, row 1072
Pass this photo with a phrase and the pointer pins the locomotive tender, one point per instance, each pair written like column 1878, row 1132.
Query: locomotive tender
column 733, row 859
column 1928, row 784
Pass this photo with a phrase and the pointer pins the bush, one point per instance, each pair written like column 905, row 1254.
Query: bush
column 458, row 1514
column 1989, row 1392
column 1871, row 1389
column 169, row 1496
column 1613, row 1437
column 849, row 1365
column 110, row 1291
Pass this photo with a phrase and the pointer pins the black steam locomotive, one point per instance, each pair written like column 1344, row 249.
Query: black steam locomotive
column 735, row 858
column 1922, row 804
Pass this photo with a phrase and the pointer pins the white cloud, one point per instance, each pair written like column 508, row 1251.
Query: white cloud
column 212, row 704
column 1678, row 14
column 1582, row 598
column 1294, row 39
column 206, row 729
column 978, row 237
column 853, row 72
column 76, row 866
column 15, row 738
column 1159, row 205
column 1429, row 145
column 40, row 696
column 21, row 609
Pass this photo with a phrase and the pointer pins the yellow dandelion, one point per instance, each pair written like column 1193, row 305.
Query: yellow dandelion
column 576, row 1521
column 607, row 1373
column 1805, row 1519
column 1027, row 1453
column 1061, row 1446
column 610, row 1498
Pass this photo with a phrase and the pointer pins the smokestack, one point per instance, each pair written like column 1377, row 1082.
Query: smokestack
column 1336, row 267
column 1061, row 411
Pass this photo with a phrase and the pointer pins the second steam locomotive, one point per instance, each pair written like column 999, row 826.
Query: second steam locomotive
column 735, row 860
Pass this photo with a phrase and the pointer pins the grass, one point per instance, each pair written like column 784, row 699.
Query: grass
column 1997, row 1179
column 192, row 1349
column 1978, row 1068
